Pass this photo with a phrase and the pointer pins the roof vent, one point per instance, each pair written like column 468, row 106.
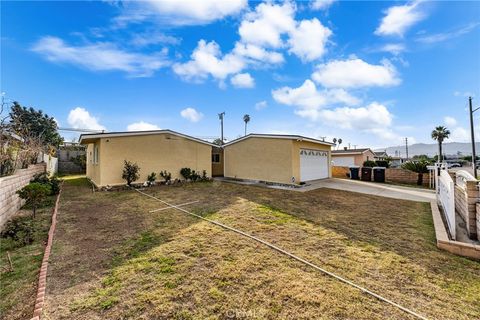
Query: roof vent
column 345, row 148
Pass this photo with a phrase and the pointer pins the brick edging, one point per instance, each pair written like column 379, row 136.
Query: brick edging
column 42, row 280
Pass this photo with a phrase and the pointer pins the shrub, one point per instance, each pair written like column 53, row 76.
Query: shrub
column 194, row 176
column 167, row 176
column 20, row 230
column 53, row 182
column 151, row 178
column 369, row 163
column 35, row 194
column 186, row 173
column 204, row 175
column 382, row 163
column 130, row 172
column 420, row 167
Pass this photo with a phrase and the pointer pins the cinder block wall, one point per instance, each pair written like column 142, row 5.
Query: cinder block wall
column 391, row 175
column 405, row 176
column 10, row 203
column 466, row 206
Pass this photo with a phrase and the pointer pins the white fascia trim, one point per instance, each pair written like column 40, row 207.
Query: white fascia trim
column 141, row 133
column 274, row 136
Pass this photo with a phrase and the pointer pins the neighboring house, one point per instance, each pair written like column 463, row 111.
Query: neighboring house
column 352, row 157
column 396, row 162
column 381, row 155
column 289, row 159
column 153, row 151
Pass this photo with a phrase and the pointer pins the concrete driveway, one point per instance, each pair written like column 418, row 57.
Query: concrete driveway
column 378, row 189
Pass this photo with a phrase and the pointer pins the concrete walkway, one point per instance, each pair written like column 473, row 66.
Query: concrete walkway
column 377, row 189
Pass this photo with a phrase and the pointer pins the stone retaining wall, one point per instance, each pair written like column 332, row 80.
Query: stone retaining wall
column 10, row 203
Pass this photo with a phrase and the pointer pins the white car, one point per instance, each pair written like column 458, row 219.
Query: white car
column 454, row 165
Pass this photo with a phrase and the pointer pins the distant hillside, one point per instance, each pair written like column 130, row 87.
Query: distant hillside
column 431, row 149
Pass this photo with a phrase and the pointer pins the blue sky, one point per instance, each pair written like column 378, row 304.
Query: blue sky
column 370, row 73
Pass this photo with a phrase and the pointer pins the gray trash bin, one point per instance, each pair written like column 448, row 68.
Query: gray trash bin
column 354, row 172
column 379, row 174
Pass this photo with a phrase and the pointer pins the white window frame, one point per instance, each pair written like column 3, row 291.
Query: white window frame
column 95, row 154
column 216, row 154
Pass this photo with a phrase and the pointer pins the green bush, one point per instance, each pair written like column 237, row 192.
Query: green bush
column 20, row 230
column 186, row 173
column 382, row 163
column 35, row 194
column 53, row 182
column 167, row 176
column 369, row 163
column 130, row 172
column 151, row 178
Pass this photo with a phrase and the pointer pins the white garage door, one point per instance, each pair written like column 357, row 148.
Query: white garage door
column 313, row 164
column 343, row 161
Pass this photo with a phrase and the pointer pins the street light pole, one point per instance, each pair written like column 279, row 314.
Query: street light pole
column 472, row 132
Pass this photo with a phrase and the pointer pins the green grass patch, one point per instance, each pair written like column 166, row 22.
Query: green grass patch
column 18, row 286
column 275, row 216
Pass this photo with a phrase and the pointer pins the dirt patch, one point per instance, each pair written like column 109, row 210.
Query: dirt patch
column 133, row 264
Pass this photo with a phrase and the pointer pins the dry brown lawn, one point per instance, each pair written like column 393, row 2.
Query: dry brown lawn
column 112, row 259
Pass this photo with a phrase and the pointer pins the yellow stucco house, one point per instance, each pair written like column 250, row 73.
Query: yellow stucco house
column 153, row 151
column 289, row 159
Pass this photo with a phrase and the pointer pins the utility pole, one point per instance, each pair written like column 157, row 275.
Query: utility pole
column 472, row 132
column 406, row 147
column 220, row 116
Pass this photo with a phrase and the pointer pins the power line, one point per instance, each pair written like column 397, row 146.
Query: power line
column 80, row 130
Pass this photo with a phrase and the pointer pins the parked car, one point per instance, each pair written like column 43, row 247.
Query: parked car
column 455, row 165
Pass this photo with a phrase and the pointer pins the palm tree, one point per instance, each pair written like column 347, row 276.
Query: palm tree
column 339, row 142
column 440, row 133
column 420, row 167
column 246, row 119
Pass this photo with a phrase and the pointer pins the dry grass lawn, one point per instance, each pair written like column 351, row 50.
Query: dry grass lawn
column 112, row 259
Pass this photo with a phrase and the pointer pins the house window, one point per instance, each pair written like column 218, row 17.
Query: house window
column 95, row 154
column 215, row 158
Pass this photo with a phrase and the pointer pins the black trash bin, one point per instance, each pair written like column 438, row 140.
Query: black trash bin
column 366, row 174
column 354, row 172
column 379, row 174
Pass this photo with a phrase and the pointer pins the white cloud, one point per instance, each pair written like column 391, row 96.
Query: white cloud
column 191, row 114
column 355, row 73
column 398, row 19
column 102, row 56
column 393, row 48
column 207, row 60
column 308, row 100
column 308, row 40
column 463, row 94
column 450, row 121
column 243, row 80
column 373, row 116
column 265, row 25
column 251, row 51
column 321, row 4
column 440, row 37
column 80, row 118
column 459, row 134
column 153, row 38
column 142, row 126
column 174, row 12
column 261, row 105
